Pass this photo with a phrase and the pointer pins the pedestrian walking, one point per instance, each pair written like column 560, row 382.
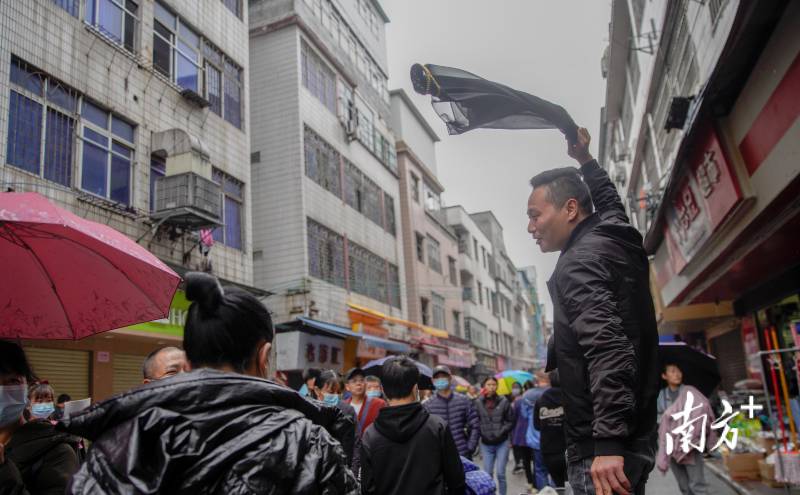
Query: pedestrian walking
column 163, row 363
column 329, row 391
column 34, row 457
column 605, row 340
column 373, row 387
column 519, row 445
column 687, row 466
column 533, row 435
column 220, row 428
column 366, row 403
column 456, row 410
column 496, row 421
column 549, row 420
column 408, row 450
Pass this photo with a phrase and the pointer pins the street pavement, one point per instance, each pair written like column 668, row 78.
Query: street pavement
column 656, row 484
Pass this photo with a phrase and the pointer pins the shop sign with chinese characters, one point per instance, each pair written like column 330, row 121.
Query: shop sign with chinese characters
column 707, row 194
column 300, row 350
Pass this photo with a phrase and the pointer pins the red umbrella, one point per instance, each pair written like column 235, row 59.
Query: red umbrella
column 65, row 277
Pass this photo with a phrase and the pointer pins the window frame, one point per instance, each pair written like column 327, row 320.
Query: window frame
column 175, row 49
column 434, row 252
column 94, row 22
column 224, row 179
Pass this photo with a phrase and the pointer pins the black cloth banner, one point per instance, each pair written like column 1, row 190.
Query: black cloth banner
column 465, row 101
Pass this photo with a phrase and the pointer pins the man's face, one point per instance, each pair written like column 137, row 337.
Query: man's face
column 549, row 224
column 168, row 363
column 491, row 387
column 357, row 386
column 373, row 387
column 673, row 375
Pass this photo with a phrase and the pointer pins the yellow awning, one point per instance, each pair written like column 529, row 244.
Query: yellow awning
column 436, row 332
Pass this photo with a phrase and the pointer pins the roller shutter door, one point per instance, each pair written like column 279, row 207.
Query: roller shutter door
column 66, row 370
column 127, row 371
column 729, row 351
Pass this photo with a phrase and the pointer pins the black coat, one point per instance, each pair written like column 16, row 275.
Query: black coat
column 605, row 340
column 496, row 425
column 548, row 418
column 213, row 432
column 39, row 461
column 409, row 451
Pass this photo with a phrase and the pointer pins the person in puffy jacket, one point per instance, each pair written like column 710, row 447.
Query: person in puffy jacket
column 496, row 419
column 220, row 428
column 457, row 410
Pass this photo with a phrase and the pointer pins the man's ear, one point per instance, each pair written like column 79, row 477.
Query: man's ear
column 263, row 358
column 572, row 209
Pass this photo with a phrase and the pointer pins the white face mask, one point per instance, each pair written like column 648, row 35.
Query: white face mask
column 13, row 400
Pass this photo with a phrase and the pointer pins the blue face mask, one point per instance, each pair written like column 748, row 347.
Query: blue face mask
column 12, row 403
column 373, row 393
column 330, row 399
column 441, row 384
column 42, row 410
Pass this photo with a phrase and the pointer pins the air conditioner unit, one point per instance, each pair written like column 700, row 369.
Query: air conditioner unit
column 187, row 200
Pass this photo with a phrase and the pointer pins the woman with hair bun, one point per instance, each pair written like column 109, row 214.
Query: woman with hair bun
column 222, row 427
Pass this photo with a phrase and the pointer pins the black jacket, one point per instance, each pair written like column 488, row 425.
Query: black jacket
column 605, row 340
column 496, row 425
column 548, row 418
column 213, row 432
column 39, row 461
column 409, row 451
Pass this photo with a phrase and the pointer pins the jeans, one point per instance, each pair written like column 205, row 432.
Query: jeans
column 496, row 455
column 638, row 464
column 691, row 478
column 540, row 470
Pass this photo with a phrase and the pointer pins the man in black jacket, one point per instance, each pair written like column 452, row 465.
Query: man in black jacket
column 605, row 340
column 407, row 450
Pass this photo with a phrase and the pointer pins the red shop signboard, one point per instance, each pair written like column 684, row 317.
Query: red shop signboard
column 707, row 193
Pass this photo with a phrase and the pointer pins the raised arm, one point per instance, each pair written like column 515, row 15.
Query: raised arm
column 606, row 200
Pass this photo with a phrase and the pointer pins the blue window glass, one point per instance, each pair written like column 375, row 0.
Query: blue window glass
column 233, row 223
column 109, row 19
column 96, row 137
column 213, row 87
column 95, row 169
column 62, row 96
column 157, row 169
column 89, row 15
column 188, row 73
column 70, row 6
column 122, row 129
column 233, row 94
column 23, row 149
column 58, row 148
column 120, row 179
column 95, row 115
column 24, row 77
column 165, row 16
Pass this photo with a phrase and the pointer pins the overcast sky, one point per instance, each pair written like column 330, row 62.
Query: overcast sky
column 550, row 48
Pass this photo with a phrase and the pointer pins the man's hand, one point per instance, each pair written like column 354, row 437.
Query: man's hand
column 2, row 453
column 608, row 476
column 579, row 150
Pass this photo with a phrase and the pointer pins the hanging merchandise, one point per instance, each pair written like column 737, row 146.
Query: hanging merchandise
column 784, row 387
column 768, row 340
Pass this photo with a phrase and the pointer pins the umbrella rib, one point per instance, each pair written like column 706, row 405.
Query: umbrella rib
column 92, row 251
column 46, row 274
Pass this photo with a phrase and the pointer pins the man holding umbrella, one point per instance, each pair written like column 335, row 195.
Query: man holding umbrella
column 605, row 340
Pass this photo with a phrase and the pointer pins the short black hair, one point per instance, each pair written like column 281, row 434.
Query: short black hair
column 147, row 364
column 667, row 365
column 310, row 373
column 487, row 379
column 15, row 362
column 372, row 379
column 63, row 398
column 399, row 377
column 564, row 184
column 223, row 327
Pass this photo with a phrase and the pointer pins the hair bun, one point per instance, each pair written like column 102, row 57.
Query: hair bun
column 205, row 290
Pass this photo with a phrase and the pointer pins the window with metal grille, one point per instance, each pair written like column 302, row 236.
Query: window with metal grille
column 394, row 286
column 420, row 244
column 116, row 19
column 41, row 107
column 325, row 254
column 107, row 153
column 322, row 162
column 368, row 273
column 451, row 265
column 232, row 213
column 158, row 168
column 388, row 207
column 176, row 49
column 415, row 188
column 437, row 310
column 434, row 255
column 457, row 323
column 317, row 77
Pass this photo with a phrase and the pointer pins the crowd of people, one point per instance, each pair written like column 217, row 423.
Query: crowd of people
column 207, row 419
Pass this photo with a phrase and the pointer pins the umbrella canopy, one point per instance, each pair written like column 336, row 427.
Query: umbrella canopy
column 699, row 369
column 66, row 277
column 375, row 367
column 460, row 381
column 518, row 376
column 465, row 101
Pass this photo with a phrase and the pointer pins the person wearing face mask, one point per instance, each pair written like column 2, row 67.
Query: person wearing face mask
column 41, row 402
column 163, row 363
column 220, row 427
column 496, row 420
column 34, row 457
column 457, row 410
column 329, row 391
column 374, row 388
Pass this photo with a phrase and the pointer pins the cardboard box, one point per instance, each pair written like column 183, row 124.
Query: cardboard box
column 767, row 472
column 743, row 466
